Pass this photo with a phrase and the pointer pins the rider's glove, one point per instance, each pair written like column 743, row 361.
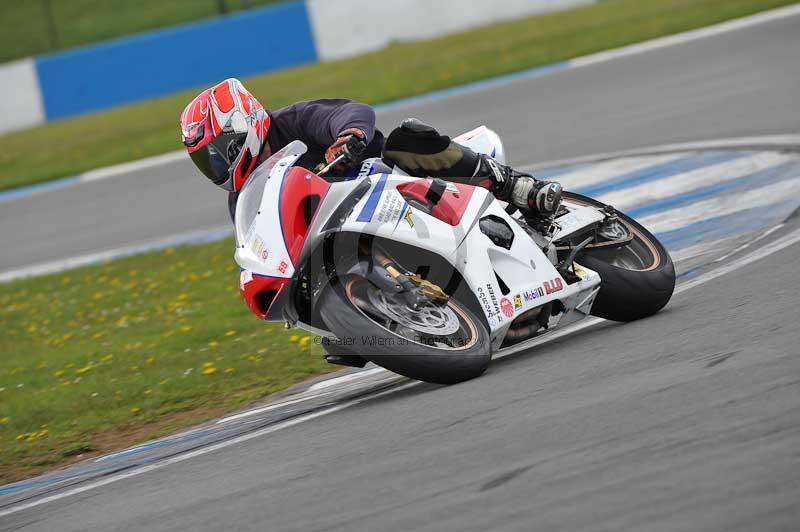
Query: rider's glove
column 351, row 143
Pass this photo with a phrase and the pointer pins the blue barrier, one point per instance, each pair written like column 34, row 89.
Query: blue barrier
column 164, row 61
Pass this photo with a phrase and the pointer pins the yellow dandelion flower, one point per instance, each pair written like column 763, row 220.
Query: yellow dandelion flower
column 230, row 333
column 294, row 338
column 304, row 341
column 187, row 328
column 213, row 343
column 148, row 392
column 4, row 420
column 84, row 369
column 209, row 370
column 107, row 358
column 21, row 437
column 136, row 410
column 208, row 365
column 182, row 297
column 59, row 373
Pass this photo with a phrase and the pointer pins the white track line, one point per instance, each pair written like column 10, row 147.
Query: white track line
column 763, row 142
column 701, row 177
column 717, row 206
column 600, row 172
column 737, row 264
column 45, row 268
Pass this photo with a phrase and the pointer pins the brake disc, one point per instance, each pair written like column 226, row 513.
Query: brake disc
column 429, row 319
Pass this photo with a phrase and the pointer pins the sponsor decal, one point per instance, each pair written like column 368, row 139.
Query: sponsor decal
column 282, row 267
column 407, row 217
column 390, row 209
column 451, row 187
column 492, row 313
column 259, row 248
column 493, row 297
column 485, row 301
column 553, row 286
column 535, row 293
column 245, row 276
column 365, row 169
column 517, row 301
column 507, row 307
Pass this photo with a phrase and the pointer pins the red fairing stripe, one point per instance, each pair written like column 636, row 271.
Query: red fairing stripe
column 260, row 292
column 300, row 186
column 450, row 209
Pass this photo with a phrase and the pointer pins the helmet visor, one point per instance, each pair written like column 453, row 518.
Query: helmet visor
column 217, row 158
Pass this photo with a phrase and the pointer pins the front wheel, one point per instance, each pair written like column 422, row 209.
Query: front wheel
column 443, row 344
column 637, row 278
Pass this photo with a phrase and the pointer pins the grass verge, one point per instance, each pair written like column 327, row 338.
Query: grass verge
column 98, row 358
column 123, row 134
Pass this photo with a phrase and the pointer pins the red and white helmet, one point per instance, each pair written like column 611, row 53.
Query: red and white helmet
column 224, row 129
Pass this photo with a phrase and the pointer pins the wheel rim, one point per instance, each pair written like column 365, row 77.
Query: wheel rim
column 447, row 328
column 640, row 254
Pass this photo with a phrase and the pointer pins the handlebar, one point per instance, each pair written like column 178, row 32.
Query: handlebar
column 330, row 166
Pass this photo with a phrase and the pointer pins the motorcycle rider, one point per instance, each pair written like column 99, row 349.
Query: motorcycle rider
column 228, row 133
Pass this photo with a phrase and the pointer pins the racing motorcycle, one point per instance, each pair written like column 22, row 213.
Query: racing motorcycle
column 429, row 278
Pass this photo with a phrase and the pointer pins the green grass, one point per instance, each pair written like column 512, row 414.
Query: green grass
column 71, row 146
column 26, row 33
column 97, row 358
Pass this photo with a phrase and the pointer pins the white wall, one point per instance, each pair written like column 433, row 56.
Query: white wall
column 21, row 105
column 348, row 27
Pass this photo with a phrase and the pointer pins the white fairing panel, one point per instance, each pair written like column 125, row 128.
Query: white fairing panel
column 260, row 247
column 529, row 277
column 483, row 140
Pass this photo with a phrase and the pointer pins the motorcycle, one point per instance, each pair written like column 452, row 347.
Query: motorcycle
column 428, row 278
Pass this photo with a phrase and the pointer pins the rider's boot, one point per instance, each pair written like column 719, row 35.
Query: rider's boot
column 536, row 198
column 420, row 151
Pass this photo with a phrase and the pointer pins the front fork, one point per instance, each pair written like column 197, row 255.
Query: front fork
column 378, row 267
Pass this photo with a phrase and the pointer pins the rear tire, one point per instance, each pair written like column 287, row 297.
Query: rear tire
column 393, row 351
column 628, row 293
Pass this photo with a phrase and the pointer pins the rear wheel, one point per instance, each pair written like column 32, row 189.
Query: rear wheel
column 443, row 344
column 637, row 278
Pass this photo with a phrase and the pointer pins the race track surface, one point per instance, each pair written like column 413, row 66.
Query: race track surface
column 688, row 420
column 735, row 84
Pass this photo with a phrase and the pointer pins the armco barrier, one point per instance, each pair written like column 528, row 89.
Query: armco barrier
column 156, row 63
column 249, row 42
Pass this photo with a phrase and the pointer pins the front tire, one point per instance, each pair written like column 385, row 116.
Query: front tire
column 637, row 280
column 346, row 310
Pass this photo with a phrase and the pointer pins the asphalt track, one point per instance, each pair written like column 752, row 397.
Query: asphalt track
column 742, row 83
column 685, row 421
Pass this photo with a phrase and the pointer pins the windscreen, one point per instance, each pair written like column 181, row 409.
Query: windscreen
column 249, row 201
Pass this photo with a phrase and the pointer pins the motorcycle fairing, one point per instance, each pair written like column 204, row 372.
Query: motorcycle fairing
column 506, row 282
column 529, row 279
